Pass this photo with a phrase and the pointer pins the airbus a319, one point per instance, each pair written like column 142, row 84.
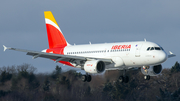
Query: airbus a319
column 96, row 58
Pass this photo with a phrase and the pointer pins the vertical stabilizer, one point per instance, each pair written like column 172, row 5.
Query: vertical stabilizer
column 55, row 35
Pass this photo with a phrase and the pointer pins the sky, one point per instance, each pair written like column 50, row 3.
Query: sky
column 22, row 25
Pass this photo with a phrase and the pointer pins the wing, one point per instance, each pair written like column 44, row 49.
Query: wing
column 171, row 54
column 58, row 57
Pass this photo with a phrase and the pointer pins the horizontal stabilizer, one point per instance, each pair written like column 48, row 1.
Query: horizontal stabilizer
column 5, row 48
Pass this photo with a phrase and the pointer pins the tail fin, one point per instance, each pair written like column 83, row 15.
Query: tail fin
column 55, row 35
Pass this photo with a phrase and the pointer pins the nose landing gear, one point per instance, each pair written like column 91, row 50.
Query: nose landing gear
column 147, row 77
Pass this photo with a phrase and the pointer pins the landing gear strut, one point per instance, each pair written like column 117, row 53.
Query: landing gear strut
column 145, row 69
column 85, row 78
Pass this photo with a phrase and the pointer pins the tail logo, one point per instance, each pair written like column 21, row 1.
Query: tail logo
column 55, row 35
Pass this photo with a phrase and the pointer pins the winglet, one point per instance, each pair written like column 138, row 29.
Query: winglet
column 5, row 48
column 171, row 54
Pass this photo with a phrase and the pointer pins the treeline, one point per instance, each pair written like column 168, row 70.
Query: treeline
column 22, row 83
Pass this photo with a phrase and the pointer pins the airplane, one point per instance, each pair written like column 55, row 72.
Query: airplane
column 97, row 58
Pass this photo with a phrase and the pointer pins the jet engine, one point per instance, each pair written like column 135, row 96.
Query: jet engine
column 94, row 66
column 151, row 70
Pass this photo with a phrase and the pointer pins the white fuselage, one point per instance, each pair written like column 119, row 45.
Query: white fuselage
column 123, row 54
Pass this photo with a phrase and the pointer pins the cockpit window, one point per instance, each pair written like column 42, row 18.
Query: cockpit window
column 152, row 48
column 157, row 48
column 148, row 48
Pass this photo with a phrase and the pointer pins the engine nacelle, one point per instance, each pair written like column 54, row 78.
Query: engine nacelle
column 151, row 70
column 94, row 66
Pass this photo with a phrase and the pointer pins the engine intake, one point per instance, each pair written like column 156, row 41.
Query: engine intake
column 94, row 66
column 151, row 70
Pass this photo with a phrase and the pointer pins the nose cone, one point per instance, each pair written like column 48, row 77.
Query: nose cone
column 162, row 57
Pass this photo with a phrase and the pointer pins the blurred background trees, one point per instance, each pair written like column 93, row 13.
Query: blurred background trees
column 22, row 82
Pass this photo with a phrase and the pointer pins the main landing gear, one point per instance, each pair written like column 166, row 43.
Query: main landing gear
column 86, row 77
column 123, row 78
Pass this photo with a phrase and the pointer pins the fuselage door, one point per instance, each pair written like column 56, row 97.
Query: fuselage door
column 138, row 50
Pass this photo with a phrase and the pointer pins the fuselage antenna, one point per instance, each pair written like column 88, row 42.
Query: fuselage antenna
column 145, row 39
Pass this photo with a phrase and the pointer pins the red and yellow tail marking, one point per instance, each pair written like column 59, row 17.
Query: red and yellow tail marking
column 56, row 39
column 55, row 35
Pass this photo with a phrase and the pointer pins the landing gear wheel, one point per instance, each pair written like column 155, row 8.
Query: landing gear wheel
column 88, row 78
column 126, row 79
column 147, row 77
column 84, row 78
column 121, row 79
